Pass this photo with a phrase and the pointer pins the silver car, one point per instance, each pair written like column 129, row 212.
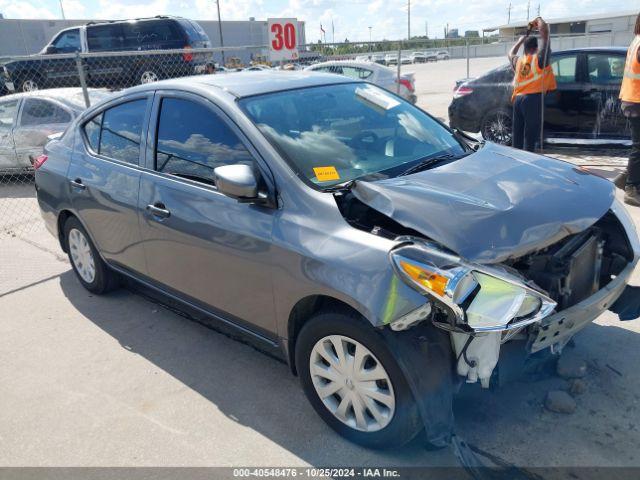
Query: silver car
column 375, row 73
column 28, row 119
column 386, row 258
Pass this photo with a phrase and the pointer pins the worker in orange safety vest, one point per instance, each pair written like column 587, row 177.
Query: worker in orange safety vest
column 630, row 98
column 533, row 77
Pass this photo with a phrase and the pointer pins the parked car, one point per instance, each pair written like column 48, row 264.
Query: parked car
column 423, row 57
column 256, row 68
column 28, row 119
column 378, row 58
column 157, row 33
column 584, row 108
column 392, row 59
column 442, row 55
column 340, row 227
column 372, row 72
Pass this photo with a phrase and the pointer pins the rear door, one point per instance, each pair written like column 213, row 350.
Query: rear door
column 601, row 114
column 8, row 118
column 104, row 178
column 206, row 247
column 562, row 106
column 39, row 118
column 104, row 70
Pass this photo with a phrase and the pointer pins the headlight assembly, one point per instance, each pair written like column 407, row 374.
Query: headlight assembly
column 481, row 298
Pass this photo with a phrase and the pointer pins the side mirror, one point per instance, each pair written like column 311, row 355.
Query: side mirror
column 237, row 181
column 50, row 50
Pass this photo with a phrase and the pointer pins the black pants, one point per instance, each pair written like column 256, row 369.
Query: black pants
column 633, row 167
column 527, row 120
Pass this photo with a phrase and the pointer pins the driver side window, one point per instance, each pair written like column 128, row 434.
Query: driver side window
column 67, row 42
column 192, row 141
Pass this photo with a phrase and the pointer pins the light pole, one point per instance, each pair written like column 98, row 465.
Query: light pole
column 219, row 30
column 62, row 10
column 369, row 39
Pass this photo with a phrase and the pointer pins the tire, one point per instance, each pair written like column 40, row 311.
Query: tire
column 82, row 255
column 147, row 74
column 497, row 127
column 29, row 84
column 394, row 425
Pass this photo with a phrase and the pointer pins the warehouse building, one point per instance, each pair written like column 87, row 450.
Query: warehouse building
column 615, row 25
column 26, row 37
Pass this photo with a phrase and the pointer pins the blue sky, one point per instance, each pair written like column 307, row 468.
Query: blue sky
column 351, row 18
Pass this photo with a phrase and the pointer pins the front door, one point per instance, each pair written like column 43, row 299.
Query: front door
column 104, row 178
column 62, row 72
column 204, row 246
column 8, row 117
column 561, row 105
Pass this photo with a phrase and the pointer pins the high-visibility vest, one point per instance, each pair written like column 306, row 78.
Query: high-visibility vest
column 630, row 89
column 530, row 78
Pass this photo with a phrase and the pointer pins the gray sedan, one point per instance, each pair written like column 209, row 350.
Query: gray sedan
column 28, row 119
column 385, row 257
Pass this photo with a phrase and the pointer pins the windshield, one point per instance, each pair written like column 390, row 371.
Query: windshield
column 337, row 133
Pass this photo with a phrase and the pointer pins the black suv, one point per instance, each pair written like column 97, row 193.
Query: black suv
column 584, row 108
column 144, row 34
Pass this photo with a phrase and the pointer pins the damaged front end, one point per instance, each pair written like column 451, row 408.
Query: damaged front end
column 542, row 298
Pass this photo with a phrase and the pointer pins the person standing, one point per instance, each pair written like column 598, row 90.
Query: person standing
column 533, row 78
column 630, row 97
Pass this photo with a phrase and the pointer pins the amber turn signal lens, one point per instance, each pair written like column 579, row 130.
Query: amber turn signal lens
column 427, row 279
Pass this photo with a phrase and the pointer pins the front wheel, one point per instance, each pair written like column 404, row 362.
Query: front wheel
column 354, row 383
column 30, row 84
column 497, row 127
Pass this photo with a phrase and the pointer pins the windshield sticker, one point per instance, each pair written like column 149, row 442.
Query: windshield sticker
column 377, row 98
column 326, row 174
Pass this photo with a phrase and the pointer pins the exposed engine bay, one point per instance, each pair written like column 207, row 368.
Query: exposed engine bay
column 566, row 272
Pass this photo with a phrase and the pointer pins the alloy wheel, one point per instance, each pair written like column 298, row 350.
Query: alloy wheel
column 352, row 383
column 498, row 128
column 29, row 86
column 81, row 255
column 148, row 76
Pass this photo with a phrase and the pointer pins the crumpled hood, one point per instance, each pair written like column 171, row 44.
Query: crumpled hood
column 494, row 204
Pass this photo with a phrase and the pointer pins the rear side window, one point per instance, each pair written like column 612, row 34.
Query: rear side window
column 8, row 112
column 192, row 140
column 605, row 69
column 139, row 34
column 42, row 112
column 92, row 131
column 193, row 30
column 117, row 131
column 105, row 38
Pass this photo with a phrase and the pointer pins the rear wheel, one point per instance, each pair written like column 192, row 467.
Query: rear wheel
column 148, row 74
column 91, row 270
column 353, row 381
column 497, row 127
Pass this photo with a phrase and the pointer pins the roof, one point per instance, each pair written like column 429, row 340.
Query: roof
column 246, row 84
column 573, row 19
column 72, row 97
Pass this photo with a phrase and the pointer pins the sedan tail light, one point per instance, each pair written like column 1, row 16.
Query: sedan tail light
column 187, row 56
column 462, row 91
column 39, row 161
column 406, row 83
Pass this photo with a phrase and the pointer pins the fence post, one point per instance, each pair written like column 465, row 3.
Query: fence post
column 398, row 79
column 467, row 42
column 83, row 80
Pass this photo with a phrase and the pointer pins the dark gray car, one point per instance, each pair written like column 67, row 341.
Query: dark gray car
column 383, row 256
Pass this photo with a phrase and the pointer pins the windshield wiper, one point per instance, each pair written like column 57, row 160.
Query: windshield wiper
column 340, row 186
column 429, row 162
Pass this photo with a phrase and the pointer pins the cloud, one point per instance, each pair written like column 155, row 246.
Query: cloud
column 12, row 9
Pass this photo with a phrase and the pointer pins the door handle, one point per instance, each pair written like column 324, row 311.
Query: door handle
column 77, row 183
column 158, row 210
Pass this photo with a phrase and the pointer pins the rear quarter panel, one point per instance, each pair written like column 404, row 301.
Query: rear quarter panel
column 51, row 179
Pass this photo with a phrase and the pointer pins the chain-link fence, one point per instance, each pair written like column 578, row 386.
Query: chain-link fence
column 41, row 94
